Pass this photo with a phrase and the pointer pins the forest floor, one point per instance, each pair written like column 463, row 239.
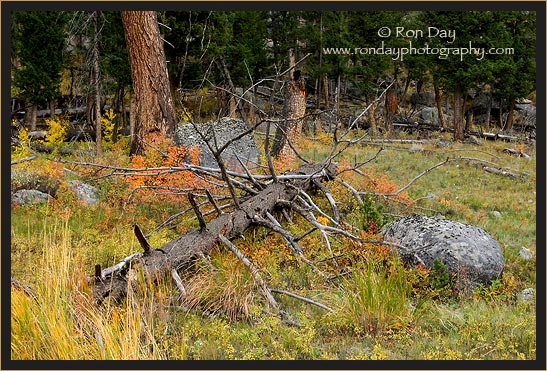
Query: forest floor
column 381, row 310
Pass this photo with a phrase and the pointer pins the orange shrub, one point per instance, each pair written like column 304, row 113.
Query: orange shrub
column 168, row 183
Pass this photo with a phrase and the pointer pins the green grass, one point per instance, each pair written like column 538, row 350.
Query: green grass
column 381, row 309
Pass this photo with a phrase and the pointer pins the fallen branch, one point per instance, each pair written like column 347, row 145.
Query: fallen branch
column 306, row 300
column 30, row 158
column 499, row 172
column 402, row 141
column 27, row 290
column 256, row 276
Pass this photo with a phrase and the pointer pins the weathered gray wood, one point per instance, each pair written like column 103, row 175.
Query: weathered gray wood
column 179, row 252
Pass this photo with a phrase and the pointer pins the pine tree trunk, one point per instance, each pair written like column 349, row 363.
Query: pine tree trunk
column 96, row 84
column 373, row 129
column 317, row 94
column 405, row 90
column 52, row 109
column 337, row 95
column 469, row 120
column 510, row 115
column 30, row 116
column 154, row 109
column 391, row 107
column 132, row 109
column 326, row 90
column 500, row 117
column 439, row 103
column 489, row 108
column 118, row 107
column 458, row 120
column 233, row 102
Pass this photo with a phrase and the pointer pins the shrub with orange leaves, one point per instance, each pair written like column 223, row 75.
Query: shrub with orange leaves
column 322, row 220
column 165, row 178
column 282, row 163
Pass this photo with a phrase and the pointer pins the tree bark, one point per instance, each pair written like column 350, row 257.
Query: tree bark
column 132, row 110
column 458, row 119
column 120, row 113
column 510, row 114
column 30, row 116
column 52, row 109
column 489, row 108
column 154, row 109
column 291, row 127
column 337, row 95
column 326, row 90
column 233, row 103
column 96, row 84
column 178, row 253
column 391, row 107
column 439, row 103
column 500, row 115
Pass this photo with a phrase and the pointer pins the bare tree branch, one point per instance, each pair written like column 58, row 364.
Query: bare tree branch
column 256, row 276
column 306, row 300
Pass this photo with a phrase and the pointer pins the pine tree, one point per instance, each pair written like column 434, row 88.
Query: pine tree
column 515, row 72
column 154, row 109
column 38, row 42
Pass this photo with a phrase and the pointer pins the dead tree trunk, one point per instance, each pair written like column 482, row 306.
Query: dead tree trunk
column 510, row 115
column 458, row 110
column 176, row 254
column 288, row 132
column 438, row 103
column 391, row 107
column 30, row 115
column 96, row 84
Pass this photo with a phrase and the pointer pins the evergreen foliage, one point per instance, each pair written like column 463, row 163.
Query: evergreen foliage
column 38, row 42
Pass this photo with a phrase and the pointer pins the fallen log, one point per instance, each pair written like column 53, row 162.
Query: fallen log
column 178, row 253
column 516, row 152
column 492, row 170
column 61, row 150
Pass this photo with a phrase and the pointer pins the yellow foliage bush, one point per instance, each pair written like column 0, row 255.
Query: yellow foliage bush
column 107, row 123
column 56, row 131
column 21, row 150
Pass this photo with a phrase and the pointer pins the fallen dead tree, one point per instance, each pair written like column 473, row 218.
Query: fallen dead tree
column 256, row 200
column 257, row 210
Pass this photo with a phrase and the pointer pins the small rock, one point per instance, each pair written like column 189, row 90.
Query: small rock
column 443, row 144
column 526, row 254
column 28, row 196
column 527, row 295
column 496, row 214
column 416, row 148
column 84, row 192
column 473, row 140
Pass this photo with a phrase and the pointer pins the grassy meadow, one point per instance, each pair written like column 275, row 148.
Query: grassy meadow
column 381, row 310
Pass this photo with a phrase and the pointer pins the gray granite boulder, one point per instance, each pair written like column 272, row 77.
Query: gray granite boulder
column 429, row 115
column 471, row 256
column 84, row 192
column 28, row 196
column 225, row 129
column 426, row 99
